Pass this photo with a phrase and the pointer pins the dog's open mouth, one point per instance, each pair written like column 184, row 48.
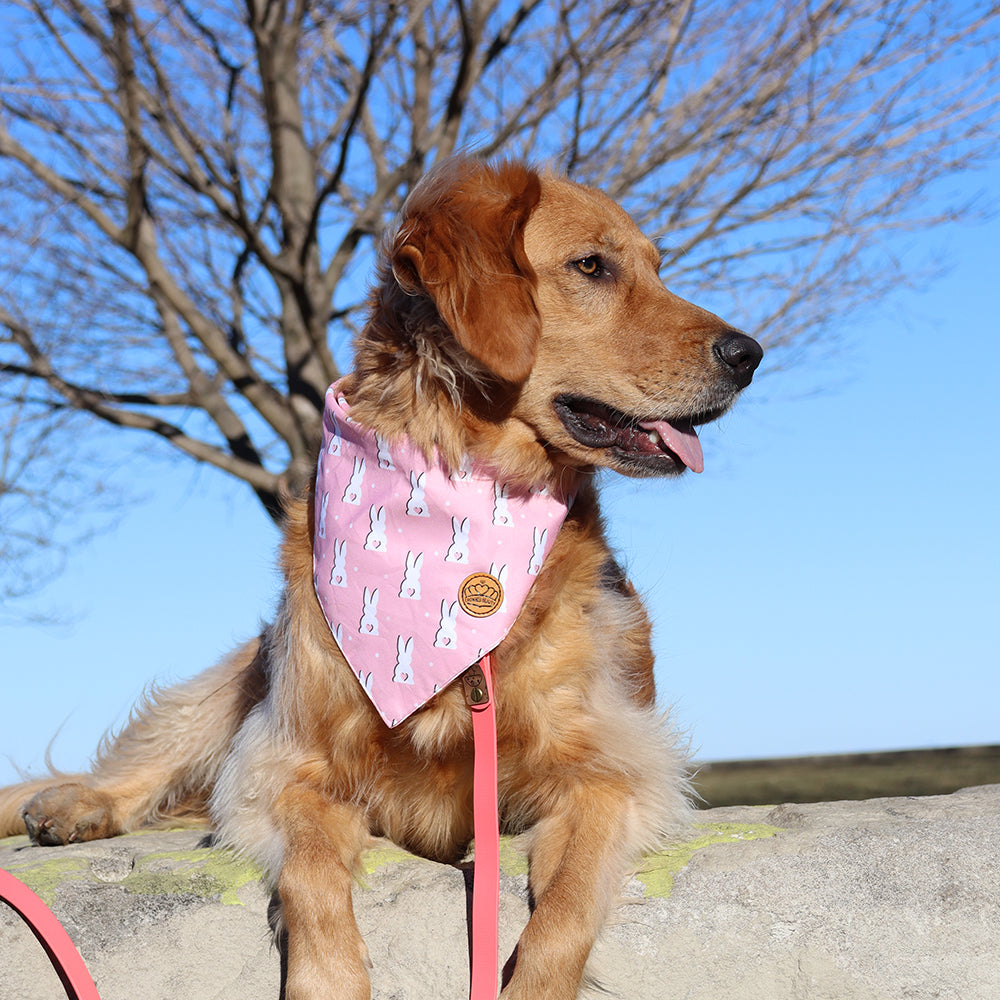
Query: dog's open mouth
column 654, row 446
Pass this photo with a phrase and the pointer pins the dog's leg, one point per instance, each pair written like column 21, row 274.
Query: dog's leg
column 162, row 764
column 323, row 843
column 578, row 856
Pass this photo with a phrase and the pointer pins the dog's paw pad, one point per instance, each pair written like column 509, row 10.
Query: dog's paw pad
column 65, row 814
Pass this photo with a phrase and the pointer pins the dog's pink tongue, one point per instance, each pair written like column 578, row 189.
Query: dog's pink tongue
column 681, row 440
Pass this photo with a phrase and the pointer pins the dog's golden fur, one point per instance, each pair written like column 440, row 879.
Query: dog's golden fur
column 502, row 291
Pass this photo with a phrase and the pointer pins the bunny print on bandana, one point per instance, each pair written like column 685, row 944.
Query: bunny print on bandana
column 393, row 544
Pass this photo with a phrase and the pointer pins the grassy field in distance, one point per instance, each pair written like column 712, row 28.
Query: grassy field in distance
column 847, row 776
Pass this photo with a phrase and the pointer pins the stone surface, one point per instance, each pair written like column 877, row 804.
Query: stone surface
column 875, row 900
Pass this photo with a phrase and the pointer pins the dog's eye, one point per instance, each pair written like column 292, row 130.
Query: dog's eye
column 591, row 266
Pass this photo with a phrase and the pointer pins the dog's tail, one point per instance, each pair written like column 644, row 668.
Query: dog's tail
column 160, row 768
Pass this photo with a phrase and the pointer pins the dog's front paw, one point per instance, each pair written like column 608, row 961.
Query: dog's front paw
column 65, row 814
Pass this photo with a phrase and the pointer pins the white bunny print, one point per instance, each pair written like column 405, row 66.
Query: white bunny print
column 538, row 552
column 369, row 621
column 383, row 454
column 458, row 551
column 501, row 515
column 333, row 448
column 416, row 505
column 389, row 587
column 410, row 587
column 338, row 575
column 446, row 636
column 463, row 472
column 376, row 540
column 500, row 572
column 353, row 492
column 403, row 672
column 324, row 503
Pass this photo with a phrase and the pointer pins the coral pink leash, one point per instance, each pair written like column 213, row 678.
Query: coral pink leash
column 478, row 684
column 56, row 942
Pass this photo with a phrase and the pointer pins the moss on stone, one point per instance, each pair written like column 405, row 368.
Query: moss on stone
column 656, row 874
column 44, row 877
column 206, row 872
column 202, row 872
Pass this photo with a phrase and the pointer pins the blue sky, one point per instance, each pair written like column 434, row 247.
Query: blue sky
column 828, row 584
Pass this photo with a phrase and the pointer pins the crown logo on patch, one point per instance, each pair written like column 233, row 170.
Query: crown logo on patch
column 480, row 595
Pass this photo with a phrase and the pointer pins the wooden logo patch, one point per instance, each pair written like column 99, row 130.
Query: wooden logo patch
column 480, row 595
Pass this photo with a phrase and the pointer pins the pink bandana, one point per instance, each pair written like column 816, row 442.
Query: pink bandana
column 419, row 571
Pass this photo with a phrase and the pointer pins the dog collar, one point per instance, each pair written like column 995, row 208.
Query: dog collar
column 420, row 569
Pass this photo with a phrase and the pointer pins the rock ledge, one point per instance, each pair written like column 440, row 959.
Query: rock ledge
column 875, row 900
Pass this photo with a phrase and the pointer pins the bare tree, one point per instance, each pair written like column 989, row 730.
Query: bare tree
column 190, row 192
column 39, row 469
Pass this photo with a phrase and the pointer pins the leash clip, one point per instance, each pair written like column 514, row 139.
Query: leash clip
column 477, row 693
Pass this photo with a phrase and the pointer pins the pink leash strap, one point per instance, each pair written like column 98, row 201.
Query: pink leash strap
column 478, row 685
column 52, row 937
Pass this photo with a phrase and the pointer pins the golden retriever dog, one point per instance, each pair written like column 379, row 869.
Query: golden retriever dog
column 519, row 320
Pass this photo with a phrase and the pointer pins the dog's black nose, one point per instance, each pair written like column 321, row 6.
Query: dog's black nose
column 740, row 354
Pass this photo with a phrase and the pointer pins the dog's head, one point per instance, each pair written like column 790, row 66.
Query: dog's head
column 544, row 296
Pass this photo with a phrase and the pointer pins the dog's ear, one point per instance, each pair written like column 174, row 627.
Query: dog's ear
column 461, row 242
